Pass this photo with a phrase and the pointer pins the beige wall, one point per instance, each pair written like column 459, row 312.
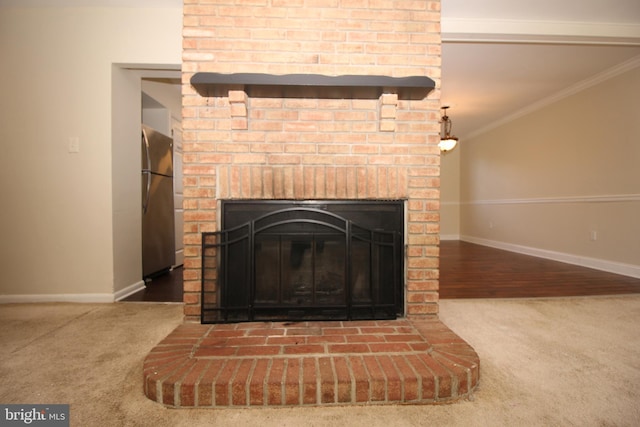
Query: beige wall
column 548, row 181
column 63, row 212
column 450, row 195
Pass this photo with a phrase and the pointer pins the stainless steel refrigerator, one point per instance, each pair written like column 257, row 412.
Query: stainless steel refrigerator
column 158, row 240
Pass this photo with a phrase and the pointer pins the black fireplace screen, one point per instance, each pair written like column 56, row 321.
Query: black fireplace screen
column 293, row 261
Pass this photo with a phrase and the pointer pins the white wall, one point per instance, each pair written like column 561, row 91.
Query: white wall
column 563, row 181
column 65, row 213
column 167, row 92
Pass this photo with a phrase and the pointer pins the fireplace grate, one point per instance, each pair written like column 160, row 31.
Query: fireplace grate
column 291, row 261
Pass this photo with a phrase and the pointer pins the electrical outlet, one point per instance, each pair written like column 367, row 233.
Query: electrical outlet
column 593, row 235
column 491, row 224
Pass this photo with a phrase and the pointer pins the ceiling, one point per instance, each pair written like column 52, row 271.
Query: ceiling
column 504, row 58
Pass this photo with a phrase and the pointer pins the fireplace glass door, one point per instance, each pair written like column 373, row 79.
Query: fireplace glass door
column 304, row 261
column 300, row 270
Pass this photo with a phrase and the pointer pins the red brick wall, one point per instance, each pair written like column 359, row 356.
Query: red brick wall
column 311, row 143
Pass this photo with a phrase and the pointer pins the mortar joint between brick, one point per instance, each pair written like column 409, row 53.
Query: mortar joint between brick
column 196, row 386
column 177, row 394
column 160, row 382
column 247, row 383
column 455, row 383
column 214, row 383
column 353, row 380
column 283, row 382
column 318, row 381
column 402, row 379
column 386, row 380
column 300, row 381
column 197, row 344
column 336, row 390
column 265, row 384
column 436, row 381
column 418, row 377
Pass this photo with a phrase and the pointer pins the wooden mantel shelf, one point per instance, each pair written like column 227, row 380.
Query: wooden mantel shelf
column 202, row 81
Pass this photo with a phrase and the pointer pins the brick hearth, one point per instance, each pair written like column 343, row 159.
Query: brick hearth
column 310, row 363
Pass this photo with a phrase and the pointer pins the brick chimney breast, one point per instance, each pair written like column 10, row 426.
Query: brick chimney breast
column 305, row 142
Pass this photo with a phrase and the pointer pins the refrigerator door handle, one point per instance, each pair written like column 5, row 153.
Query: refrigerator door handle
column 145, row 203
column 145, row 171
column 145, row 144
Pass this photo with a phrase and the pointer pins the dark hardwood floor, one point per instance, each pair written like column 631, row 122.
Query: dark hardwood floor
column 164, row 288
column 468, row 270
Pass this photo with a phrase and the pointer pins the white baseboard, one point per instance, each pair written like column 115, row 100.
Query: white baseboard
column 597, row 264
column 129, row 290
column 80, row 298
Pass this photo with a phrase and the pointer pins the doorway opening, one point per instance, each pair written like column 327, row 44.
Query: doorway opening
column 141, row 94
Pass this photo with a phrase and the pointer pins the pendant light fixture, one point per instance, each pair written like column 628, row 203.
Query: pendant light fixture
column 447, row 141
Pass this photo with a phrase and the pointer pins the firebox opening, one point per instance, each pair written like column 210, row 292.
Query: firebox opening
column 311, row 260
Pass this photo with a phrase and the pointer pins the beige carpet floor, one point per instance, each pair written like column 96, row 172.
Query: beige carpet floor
column 544, row 362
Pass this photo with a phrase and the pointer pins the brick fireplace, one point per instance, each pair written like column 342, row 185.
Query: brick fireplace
column 330, row 108
column 304, row 100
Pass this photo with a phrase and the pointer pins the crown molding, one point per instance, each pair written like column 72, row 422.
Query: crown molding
column 549, row 32
column 571, row 90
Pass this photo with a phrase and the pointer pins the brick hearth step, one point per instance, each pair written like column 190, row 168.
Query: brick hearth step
column 310, row 363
